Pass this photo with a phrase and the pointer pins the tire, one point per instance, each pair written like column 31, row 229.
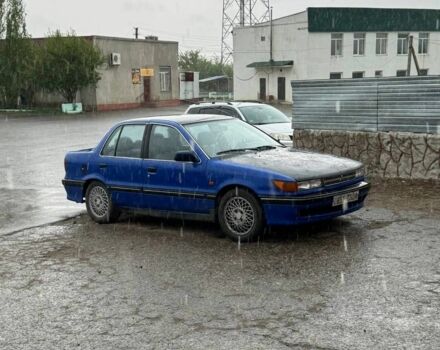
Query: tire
column 99, row 204
column 240, row 215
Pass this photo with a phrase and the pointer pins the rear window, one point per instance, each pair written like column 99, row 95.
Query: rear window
column 110, row 146
column 194, row 110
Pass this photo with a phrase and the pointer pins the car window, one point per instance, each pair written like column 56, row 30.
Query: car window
column 194, row 110
column 212, row 110
column 263, row 114
column 165, row 142
column 230, row 111
column 110, row 147
column 130, row 141
column 218, row 136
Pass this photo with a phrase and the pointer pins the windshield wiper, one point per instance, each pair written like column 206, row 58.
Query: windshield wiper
column 264, row 148
column 259, row 148
column 234, row 150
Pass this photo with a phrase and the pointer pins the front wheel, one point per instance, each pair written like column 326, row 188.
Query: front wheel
column 240, row 215
column 99, row 204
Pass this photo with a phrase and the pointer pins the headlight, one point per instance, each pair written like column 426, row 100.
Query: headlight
column 307, row 185
column 360, row 172
column 281, row 137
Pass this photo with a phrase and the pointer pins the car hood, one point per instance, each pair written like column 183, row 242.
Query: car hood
column 301, row 165
column 278, row 128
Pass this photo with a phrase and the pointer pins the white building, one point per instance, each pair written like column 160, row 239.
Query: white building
column 332, row 43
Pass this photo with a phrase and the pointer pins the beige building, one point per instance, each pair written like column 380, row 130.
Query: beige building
column 137, row 72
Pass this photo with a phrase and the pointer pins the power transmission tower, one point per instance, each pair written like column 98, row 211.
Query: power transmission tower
column 240, row 13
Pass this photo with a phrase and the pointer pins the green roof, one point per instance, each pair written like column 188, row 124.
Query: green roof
column 344, row 19
column 270, row 63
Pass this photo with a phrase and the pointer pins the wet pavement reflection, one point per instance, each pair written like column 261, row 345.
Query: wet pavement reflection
column 31, row 162
column 370, row 280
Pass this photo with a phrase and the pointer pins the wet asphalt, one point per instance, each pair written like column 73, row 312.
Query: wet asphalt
column 370, row 280
column 32, row 150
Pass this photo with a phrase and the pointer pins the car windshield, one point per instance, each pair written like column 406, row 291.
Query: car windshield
column 263, row 114
column 229, row 135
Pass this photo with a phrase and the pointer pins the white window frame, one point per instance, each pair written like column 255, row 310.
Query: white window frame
column 423, row 43
column 402, row 43
column 165, row 78
column 359, row 44
column 381, row 43
column 337, row 40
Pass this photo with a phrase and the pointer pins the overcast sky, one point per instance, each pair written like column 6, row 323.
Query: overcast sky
column 195, row 24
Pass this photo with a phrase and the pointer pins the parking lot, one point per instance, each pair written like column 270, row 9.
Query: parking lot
column 370, row 280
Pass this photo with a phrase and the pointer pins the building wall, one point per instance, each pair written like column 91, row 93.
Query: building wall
column 116, row 90
column 311, row 53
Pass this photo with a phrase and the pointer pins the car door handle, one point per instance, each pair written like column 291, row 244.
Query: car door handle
column 151, row 170
column 102, row 166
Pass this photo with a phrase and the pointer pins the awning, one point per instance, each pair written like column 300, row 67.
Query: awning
column 270, row 63
column 218, row 77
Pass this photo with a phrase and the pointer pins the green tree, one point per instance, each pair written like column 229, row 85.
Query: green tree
column 193, row 60
column 69, row 63
column 2, row 15
column 16, row 53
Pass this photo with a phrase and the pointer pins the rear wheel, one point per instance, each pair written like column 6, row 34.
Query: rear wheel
column 99, row 204
column 240, row 215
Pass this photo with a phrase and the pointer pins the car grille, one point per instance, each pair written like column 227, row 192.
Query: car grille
column 338, row 179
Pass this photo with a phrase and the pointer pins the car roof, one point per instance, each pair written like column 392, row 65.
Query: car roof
column 181, row 119
column 227, row 104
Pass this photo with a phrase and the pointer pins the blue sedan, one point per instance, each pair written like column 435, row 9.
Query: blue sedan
column 213, row 168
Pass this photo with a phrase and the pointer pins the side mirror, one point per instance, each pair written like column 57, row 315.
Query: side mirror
column 186, row 156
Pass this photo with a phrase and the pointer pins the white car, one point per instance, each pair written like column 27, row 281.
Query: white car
column 263, row 116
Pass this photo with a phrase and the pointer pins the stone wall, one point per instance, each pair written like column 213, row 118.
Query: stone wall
column 385, row 154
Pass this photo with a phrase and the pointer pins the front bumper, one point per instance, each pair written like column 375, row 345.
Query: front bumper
column 311, row 208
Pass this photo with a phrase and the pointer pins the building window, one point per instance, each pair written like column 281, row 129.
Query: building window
column 165, row 79
column 378, row 74
column 401, row 73
column 424, row 72
column 402, row 44
column 358, row 75
column 359, row 44
column 263, row 38
column 336, row 49
column 335, row 75
column 423, row 43
column 381, row 43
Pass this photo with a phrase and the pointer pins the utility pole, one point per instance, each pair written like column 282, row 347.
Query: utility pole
column 271, row 33
column 136, row 32
column 240, row 13
column 412, row 52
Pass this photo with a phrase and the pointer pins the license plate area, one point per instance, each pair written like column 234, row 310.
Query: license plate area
column 345, row 198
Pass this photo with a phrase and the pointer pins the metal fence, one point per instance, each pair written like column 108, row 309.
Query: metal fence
column 410, row 104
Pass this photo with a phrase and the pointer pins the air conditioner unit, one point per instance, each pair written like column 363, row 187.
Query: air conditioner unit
column 115, row 59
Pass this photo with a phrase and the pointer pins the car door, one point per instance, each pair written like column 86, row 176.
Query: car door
column 172, row 185
column 120, row 164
